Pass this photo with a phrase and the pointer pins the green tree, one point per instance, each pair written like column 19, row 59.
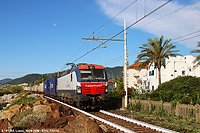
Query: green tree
column 197, row 59
column 156, row 51
column 120, row 85
column 32, row 83
column 42, row 78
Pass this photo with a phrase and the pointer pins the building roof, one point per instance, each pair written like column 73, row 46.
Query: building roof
column 136, row 65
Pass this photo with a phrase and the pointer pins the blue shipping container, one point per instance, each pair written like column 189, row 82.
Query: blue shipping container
column 53, row 86
column 46, row 86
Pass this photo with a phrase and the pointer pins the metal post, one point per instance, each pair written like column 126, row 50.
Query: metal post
column 58, row 72
column 125, row 66
column 112, row 75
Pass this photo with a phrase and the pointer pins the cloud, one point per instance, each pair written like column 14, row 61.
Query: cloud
column 176, row 24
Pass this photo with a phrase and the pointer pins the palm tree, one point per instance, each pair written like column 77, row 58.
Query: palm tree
column 197, row 59
column 156, row 51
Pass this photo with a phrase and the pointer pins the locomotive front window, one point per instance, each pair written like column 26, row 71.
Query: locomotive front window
column 99, row 74
column 92, row 74
column 86, row 74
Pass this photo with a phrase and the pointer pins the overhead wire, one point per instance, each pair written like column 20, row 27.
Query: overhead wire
column 101, row 27
column 129, row 54
column 186, row 39
column 166, row 15
column 123, row 30
column 118, row 13
column 120, row 58
column 110, row 34
column 74, row 54
column 101, row 52
column 186, row 35
column 136, row 18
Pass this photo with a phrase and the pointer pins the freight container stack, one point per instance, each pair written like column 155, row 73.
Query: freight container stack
column 46, row 87
column 53, row 86
column 41, row 87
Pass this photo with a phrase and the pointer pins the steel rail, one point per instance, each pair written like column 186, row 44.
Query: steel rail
column 157, row 128
column 97, row 118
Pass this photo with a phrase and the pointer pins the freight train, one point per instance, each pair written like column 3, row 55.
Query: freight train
column 84, row 86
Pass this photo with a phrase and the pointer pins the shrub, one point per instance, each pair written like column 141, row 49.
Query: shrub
column 183, row 89
column 30, row 120
column 160, row 112
column 1, row 104
column 23, row 94
column 15, row 89
column 23, row 100
column 119, row 91
column 5, row 92
column 22, row 115
column 136, row 107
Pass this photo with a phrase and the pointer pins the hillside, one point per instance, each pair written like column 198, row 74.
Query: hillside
column 26, row 79
column 115, row 72
column 30, row 77
column 5, row 80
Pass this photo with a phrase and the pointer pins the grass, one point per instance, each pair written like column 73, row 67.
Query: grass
column 23, row 94
column 170, row 122
column 22, row 100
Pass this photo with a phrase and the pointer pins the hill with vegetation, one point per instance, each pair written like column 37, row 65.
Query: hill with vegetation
column 25, row 79
column 5, row 80
column 115, row 72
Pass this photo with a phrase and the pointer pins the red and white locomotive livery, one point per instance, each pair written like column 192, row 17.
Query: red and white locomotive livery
column 84, row 86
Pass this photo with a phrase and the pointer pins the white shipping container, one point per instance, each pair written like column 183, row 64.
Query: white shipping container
column 41, row 87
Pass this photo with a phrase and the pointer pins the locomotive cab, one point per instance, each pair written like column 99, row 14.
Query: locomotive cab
column 85, row 86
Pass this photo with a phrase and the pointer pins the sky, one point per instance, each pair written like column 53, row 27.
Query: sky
column 41, row 36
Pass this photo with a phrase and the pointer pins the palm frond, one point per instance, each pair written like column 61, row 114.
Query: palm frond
column 156, row 51
column 197, row 59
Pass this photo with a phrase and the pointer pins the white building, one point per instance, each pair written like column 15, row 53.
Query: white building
column 135, row 78
column 175, row 66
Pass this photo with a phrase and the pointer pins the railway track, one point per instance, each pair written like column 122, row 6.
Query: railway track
column 117, row 123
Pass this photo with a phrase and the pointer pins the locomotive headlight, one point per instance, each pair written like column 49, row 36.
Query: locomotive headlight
column 78, row 89
column 106, row 89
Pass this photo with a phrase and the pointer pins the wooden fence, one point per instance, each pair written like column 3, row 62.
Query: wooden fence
column 183, row 110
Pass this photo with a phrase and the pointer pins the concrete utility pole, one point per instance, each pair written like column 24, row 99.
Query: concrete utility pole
column 125, row 57
column 125, row 66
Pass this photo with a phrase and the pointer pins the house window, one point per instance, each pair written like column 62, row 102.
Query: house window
column 152, row 72
column 153, row 88
column 149, row 73
column 183, row 73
